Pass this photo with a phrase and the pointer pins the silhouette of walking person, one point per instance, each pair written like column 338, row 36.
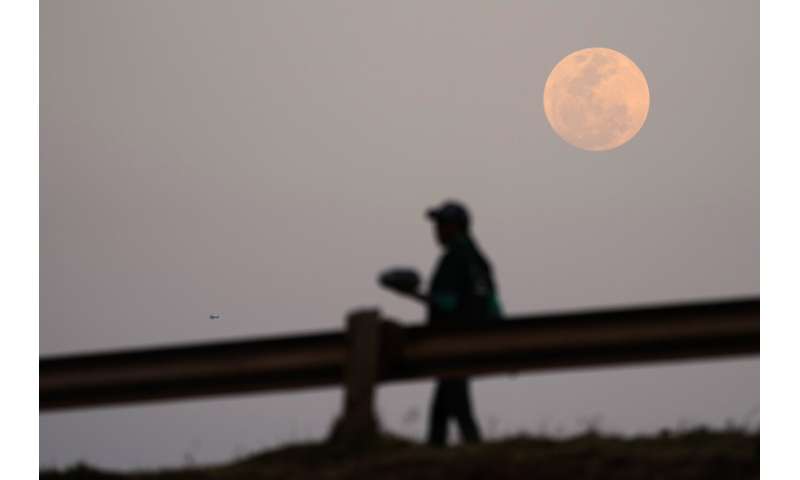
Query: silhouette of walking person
column 462, row 289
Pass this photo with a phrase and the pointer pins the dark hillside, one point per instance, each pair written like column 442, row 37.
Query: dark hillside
column 698, row 454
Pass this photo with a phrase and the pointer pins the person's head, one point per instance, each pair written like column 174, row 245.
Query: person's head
column 450, row 220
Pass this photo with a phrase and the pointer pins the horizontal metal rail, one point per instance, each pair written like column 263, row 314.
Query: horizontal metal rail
column 573, row 340
column 563, row 340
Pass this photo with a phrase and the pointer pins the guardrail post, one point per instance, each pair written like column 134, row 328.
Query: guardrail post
column 358, row 423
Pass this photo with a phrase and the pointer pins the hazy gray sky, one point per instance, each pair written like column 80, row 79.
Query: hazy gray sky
column 266, row 159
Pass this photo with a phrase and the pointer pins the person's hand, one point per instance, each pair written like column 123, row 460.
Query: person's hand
column 404, row 281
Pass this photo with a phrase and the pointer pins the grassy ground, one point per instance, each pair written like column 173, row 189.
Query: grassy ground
column 698, row 454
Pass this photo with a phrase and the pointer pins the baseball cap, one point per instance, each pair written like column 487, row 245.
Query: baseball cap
column 449, row 212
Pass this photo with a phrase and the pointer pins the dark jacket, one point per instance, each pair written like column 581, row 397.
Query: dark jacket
column 463, row 287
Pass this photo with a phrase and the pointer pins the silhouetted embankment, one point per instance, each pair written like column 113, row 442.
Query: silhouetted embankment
column 697, row 454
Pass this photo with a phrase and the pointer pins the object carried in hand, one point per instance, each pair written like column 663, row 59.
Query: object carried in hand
column 404, row 280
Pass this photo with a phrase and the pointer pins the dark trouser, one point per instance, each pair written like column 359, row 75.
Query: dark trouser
column 451, row 399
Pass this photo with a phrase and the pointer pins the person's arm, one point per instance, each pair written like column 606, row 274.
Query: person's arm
column 445, row 301
column 451, row 282
column 418, row 296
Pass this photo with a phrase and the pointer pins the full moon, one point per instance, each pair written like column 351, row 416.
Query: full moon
column 596, row 99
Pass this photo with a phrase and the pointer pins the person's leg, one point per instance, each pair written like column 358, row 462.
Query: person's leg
column 462, row 409
column 437, row 427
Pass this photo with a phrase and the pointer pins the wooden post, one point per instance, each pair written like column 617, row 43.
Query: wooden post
column 358, row 424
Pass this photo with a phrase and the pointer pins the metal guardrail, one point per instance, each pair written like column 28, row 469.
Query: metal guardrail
column 390, row 352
